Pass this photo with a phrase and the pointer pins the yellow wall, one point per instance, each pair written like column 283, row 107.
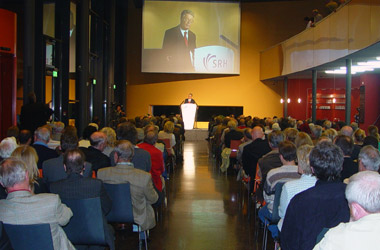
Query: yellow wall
column 262, row 26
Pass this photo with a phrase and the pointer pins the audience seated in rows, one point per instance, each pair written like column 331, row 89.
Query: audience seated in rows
column 303, row 139
column 229, row 134
column 293, row 187
column 358, row 138
column 110, row 142
column 41, row 139
column 25, row 137
column 142, row 191
column 156, row 157
column 362, row 232
column 53, row 169
column 93, row 153
column 246, row 140
column 319, row 207
column 29, row 155
column 288, row 171
column 369, row 159
column 167, row 133
column 87, row 132
column 346, row 144
column 254, row 151
column 347, row 131
column 76, row 186
column 23, row 207
column 141, row 158
column 7, row 145
column 272, row 159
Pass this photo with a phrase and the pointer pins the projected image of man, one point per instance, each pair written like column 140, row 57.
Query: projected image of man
column 179, row 44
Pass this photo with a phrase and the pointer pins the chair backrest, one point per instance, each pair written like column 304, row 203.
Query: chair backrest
column 276, row 202
column 122, row 210
column 5, row 242
column 31, row 237
column 167, row 146
column 86, row 227
column 234, row 147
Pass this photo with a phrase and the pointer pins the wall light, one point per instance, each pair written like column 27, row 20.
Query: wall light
column 282, row 100
column 299, row 100
column 288, row 100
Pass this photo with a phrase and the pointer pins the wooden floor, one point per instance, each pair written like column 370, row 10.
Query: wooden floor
column 204, row 209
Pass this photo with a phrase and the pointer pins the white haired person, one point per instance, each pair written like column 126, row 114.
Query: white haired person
column 7, row 145
column 23, row 207
column 362, row 232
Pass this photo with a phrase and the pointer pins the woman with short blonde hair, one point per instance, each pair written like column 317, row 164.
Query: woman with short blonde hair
column 29, row 155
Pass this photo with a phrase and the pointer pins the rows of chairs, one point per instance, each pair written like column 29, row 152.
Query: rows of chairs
column 258, row 203
column 87, row 227
column 254, row 203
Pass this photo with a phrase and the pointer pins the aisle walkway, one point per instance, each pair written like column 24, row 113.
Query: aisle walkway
column 203, row 209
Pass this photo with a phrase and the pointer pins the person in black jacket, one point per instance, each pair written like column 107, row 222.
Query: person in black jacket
column 319, row 207
column 76, row 186
column 34, row 114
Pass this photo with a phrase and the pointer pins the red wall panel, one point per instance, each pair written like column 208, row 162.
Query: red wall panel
column 301, row 88
column 7, row 71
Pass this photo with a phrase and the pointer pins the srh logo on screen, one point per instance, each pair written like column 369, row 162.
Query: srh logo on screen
column 210, row 62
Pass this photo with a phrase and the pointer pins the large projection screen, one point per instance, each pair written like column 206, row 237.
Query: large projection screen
column 191, row 37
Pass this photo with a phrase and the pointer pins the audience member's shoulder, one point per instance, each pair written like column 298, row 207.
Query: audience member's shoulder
column 105, row 170
column 47, row 197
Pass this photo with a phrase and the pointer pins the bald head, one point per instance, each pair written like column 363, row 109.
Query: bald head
column 257, row 132
column 98, row 140
column 347, row 130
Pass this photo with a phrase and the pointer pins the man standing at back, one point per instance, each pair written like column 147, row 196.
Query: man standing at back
column 34, row 114
column 22, row 207
column 142, row 190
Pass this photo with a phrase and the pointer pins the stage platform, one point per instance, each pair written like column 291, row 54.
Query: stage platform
column 197, row 134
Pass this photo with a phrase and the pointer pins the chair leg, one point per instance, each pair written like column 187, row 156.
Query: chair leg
column 249, row 200
column 265, row 237
column 146, row 240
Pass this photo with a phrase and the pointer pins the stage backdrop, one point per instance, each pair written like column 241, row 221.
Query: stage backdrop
column 213, row 45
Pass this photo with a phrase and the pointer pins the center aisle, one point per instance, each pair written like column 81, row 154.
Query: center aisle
column 203, row 209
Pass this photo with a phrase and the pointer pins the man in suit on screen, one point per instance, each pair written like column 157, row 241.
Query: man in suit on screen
column 179, row 44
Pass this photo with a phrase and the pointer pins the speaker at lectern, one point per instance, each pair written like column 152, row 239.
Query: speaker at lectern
column 188, row 114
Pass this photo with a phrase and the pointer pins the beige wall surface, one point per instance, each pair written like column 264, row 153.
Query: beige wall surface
column 262, row 25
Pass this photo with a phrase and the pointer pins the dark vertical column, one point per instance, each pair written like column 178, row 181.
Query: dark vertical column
column 121, row 52
column 29, row 41
column 314, row 96
column 110, row 65
column 62, row 32
column 39, row 48
column 285, row 97
column 82, row 64
column 348, row 91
